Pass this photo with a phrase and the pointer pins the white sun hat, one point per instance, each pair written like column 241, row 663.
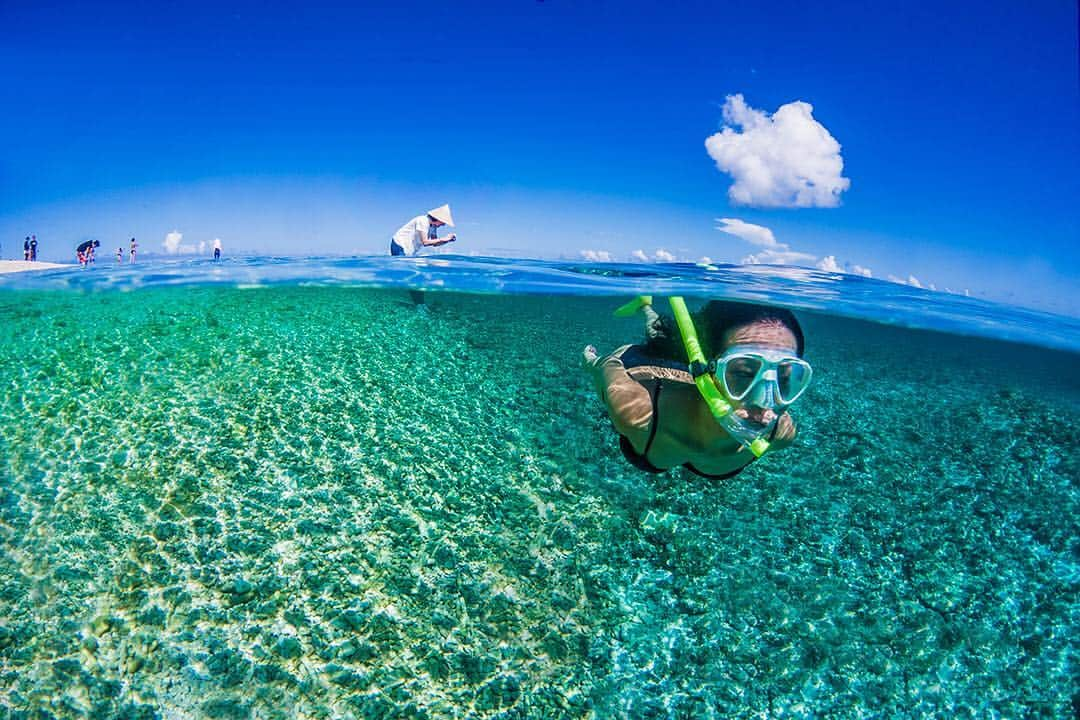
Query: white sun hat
column 442, row 214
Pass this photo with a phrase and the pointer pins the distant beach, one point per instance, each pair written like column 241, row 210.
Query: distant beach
column 11, row 266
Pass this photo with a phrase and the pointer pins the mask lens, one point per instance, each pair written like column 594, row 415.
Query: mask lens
column 791, row 379
column 739, row 375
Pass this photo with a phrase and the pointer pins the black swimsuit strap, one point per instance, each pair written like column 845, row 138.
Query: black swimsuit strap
column 639, row 460
column 654, row 395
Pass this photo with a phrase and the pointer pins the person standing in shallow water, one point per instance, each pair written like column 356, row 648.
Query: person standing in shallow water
column 119, row 255
column 217, row 248
column 662, row 418
column 420, row 232
column 26, row 248
column 134, row 246
column 85, row 252
column 33, row 248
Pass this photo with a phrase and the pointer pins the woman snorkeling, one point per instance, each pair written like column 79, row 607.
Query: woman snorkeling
column 708, row 392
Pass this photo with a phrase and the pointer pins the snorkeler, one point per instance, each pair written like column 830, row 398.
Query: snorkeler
column 712, row 403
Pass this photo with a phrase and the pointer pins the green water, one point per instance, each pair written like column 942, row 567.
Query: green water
column 323, row 503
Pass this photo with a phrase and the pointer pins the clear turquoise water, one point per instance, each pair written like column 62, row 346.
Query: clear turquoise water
column 310, row 499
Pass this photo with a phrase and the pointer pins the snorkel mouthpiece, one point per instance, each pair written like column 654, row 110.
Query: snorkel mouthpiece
column 724, row 414
column 722, row 410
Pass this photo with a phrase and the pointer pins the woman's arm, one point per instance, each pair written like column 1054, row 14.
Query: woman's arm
column 628, row 402
column 443, row 241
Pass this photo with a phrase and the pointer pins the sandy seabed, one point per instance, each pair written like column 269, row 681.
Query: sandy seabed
column 298, row 502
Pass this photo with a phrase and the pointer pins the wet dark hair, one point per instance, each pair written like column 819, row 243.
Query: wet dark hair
column 712, row 321
column 720, row 316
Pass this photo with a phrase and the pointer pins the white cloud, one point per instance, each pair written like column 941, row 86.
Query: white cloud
column 751, row 233
column 172, row 242
column 202, row 247
column 769, row 256
column 787, row 159
column 911, row 280
column 778, row 253
column 828, row 264
column 596, row 255
column 660, row 255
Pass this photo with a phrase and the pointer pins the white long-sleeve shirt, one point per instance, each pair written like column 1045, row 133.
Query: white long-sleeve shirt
column 412, row 234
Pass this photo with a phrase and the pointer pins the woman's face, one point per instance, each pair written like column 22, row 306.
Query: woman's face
column 763, row 333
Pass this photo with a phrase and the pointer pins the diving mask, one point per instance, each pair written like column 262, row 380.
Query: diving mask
column 764, row 377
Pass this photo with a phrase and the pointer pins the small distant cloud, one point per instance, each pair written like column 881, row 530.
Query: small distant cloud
column 596, row 255
column 774, row 252
column 860, row 270
column 751, row 233
column 911, row 280
column 829, row 264
column 787, row 159
column 172, row 242
column 705, row 260
column 202, row 247
column 174, row 245
column 777, row 257
column 659, row 255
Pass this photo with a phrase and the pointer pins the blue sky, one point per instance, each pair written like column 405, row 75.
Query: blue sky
column 558, row 128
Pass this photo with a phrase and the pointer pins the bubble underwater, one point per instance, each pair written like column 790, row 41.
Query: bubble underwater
column 276, row 488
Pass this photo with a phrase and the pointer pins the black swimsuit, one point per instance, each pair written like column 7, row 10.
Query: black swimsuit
column 641, row 460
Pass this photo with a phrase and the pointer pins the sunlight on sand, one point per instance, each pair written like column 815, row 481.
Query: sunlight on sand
column 10, row 266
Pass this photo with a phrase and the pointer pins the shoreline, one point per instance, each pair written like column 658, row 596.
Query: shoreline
column 14, row 266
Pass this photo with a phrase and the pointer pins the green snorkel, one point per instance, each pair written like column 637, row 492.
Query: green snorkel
column 722, row 410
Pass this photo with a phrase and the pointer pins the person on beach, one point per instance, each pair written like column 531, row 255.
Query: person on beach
column 85, row 252
column 217, row 248
column 119, row 255
column 26, row 248
column 134, row 246
column 712, row 418
column 420, row 232
column 33, row 248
